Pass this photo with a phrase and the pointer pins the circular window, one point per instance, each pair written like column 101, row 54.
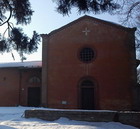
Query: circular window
column 86, row 54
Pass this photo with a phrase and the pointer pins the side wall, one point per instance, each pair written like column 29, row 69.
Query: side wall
column 14, row 84
column 9, row 87
column 27, row 74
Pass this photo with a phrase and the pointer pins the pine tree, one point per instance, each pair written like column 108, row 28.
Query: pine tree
column 96, row 6
column 130, row 17
column 21, row 11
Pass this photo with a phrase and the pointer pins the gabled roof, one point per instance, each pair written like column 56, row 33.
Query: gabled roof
column 94, row 19
column 28, row 64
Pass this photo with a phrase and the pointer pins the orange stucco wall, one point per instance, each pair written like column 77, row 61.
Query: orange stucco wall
column 113, row 68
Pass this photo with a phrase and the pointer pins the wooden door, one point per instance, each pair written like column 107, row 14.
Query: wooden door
column 34, row 96
column 87, row 98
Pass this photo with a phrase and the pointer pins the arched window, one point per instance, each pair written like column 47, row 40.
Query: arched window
column 34, row 79
column 87, row 83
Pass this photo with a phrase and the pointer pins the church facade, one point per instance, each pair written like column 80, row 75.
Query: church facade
column 86, row 64
column 89, row 64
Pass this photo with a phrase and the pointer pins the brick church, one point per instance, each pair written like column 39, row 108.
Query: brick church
column 86, row 64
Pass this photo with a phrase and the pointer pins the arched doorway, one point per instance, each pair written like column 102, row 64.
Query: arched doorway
column 87, row 94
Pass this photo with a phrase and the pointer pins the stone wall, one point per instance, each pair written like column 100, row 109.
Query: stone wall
column 130, row 118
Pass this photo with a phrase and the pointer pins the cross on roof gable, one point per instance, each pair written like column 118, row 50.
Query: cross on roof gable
column 86, row 31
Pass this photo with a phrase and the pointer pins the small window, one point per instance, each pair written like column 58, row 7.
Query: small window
column 34, row 80
column 86, row 55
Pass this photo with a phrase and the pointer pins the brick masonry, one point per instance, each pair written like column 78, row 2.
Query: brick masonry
column 130, row 118
column 112, row 71
column 14, row 84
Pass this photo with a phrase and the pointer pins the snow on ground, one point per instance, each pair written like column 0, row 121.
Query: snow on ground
column 13, row 118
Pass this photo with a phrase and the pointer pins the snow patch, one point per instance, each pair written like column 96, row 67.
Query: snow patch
column 28, row 64
column 12, row 118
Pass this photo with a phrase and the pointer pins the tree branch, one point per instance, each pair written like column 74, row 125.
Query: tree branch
column 131, row 9
column 10, row 8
